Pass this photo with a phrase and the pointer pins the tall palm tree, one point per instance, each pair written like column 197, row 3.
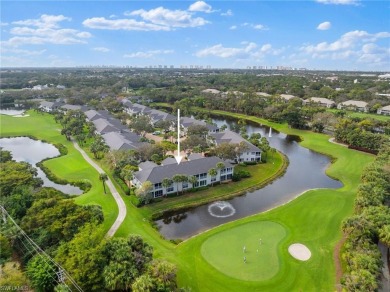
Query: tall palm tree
column 103, row 177
column 220, row 166
column 213, row 173
column 166, row 182
column 192, row 180
column 176, row 179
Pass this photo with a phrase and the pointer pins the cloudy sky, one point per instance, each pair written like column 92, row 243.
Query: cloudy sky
column 316, row 34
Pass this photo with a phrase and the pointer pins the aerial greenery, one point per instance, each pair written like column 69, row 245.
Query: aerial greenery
column 315, row 217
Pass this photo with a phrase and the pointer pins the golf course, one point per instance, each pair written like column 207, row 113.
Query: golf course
column 214, row 260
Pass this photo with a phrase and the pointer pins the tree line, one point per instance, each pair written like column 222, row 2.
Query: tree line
column 369, row 224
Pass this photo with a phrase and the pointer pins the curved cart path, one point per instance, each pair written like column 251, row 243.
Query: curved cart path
column 118, row 199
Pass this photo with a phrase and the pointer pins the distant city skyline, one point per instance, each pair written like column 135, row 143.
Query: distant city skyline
column 317, row 34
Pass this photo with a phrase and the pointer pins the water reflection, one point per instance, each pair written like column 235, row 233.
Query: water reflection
column 305, row 171
column 33, row 151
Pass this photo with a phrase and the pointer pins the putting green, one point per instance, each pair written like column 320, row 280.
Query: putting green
column 224, row 250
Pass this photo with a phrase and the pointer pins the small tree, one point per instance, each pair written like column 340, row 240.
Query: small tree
column 103, row 177
column 144, row 192
column 166, row 183
column 213, row 173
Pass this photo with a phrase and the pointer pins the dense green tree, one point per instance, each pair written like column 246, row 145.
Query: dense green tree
column 126, row 260
column 14, row 174
column 83, row 258
column 42, row 273
column 5, row 155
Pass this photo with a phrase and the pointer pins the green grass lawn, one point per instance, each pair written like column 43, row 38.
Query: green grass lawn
column 261, row 240
column 313, row 219
column 71, row 167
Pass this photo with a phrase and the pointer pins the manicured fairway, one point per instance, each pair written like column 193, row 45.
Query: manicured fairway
column 261, row 241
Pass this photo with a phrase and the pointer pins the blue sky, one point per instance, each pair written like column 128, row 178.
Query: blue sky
column 317, row 34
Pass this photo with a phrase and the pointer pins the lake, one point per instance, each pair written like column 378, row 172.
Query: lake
column 33, row 151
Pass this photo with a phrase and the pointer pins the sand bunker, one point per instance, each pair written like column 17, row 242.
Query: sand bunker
column 299, row 251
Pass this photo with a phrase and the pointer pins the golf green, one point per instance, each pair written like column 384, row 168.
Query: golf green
column 225, row 250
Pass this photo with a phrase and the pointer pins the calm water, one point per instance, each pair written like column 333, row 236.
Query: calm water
column 11, row 112
column 305, row 171
column 32, row 151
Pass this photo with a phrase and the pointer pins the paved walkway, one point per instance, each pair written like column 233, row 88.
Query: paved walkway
column 114, row 192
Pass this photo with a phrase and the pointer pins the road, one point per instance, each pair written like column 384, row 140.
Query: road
column 118, row 199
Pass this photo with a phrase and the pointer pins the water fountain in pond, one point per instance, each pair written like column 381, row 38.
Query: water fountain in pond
column 221, row 209
column 270, row 132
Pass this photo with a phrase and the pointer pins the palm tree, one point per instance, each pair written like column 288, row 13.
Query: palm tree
column 177, row 178
column 192, row 180
column 103, row 177
column 166, row 183
column 213, row 173
column 220, row 166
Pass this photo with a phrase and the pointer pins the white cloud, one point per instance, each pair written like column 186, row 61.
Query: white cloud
column 200, row 6
column 259, row 27
column 45, row 30
column 148, row 54
column 324, row 25
column 21, row 52
column 248, row 50
column 101, row 49
column 113, row 16
column 339, row 2
column 169, row 18
column 347, row 41
column 354, row 47
column 45, row 21
column 229, row 12
column 122, row 24
column 4, row 23
column 254, row 26
column 233, row 27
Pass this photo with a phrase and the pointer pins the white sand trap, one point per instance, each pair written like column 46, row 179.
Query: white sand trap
column 20, row 116
column 299, row 251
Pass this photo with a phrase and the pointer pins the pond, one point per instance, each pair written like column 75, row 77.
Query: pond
column 11, row 112
column 306, row 171
column 33, row 151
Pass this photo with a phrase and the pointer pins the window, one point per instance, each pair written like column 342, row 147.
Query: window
column 203, row 175
column 213, row 179
column 229, row 169
column 257, row 153
column 170, row 189
column 223, row 177
column 185, row 185
column 223, row 170
column 203, row 183
column 253, row 153
column 229, row 176
column 252, row 159
column 196, row 184
column 158, row 193
column 157, row 186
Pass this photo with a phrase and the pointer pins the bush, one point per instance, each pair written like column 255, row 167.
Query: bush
column 240, row 174
column 135, row 201
column 63, row 150
column 250, row 162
